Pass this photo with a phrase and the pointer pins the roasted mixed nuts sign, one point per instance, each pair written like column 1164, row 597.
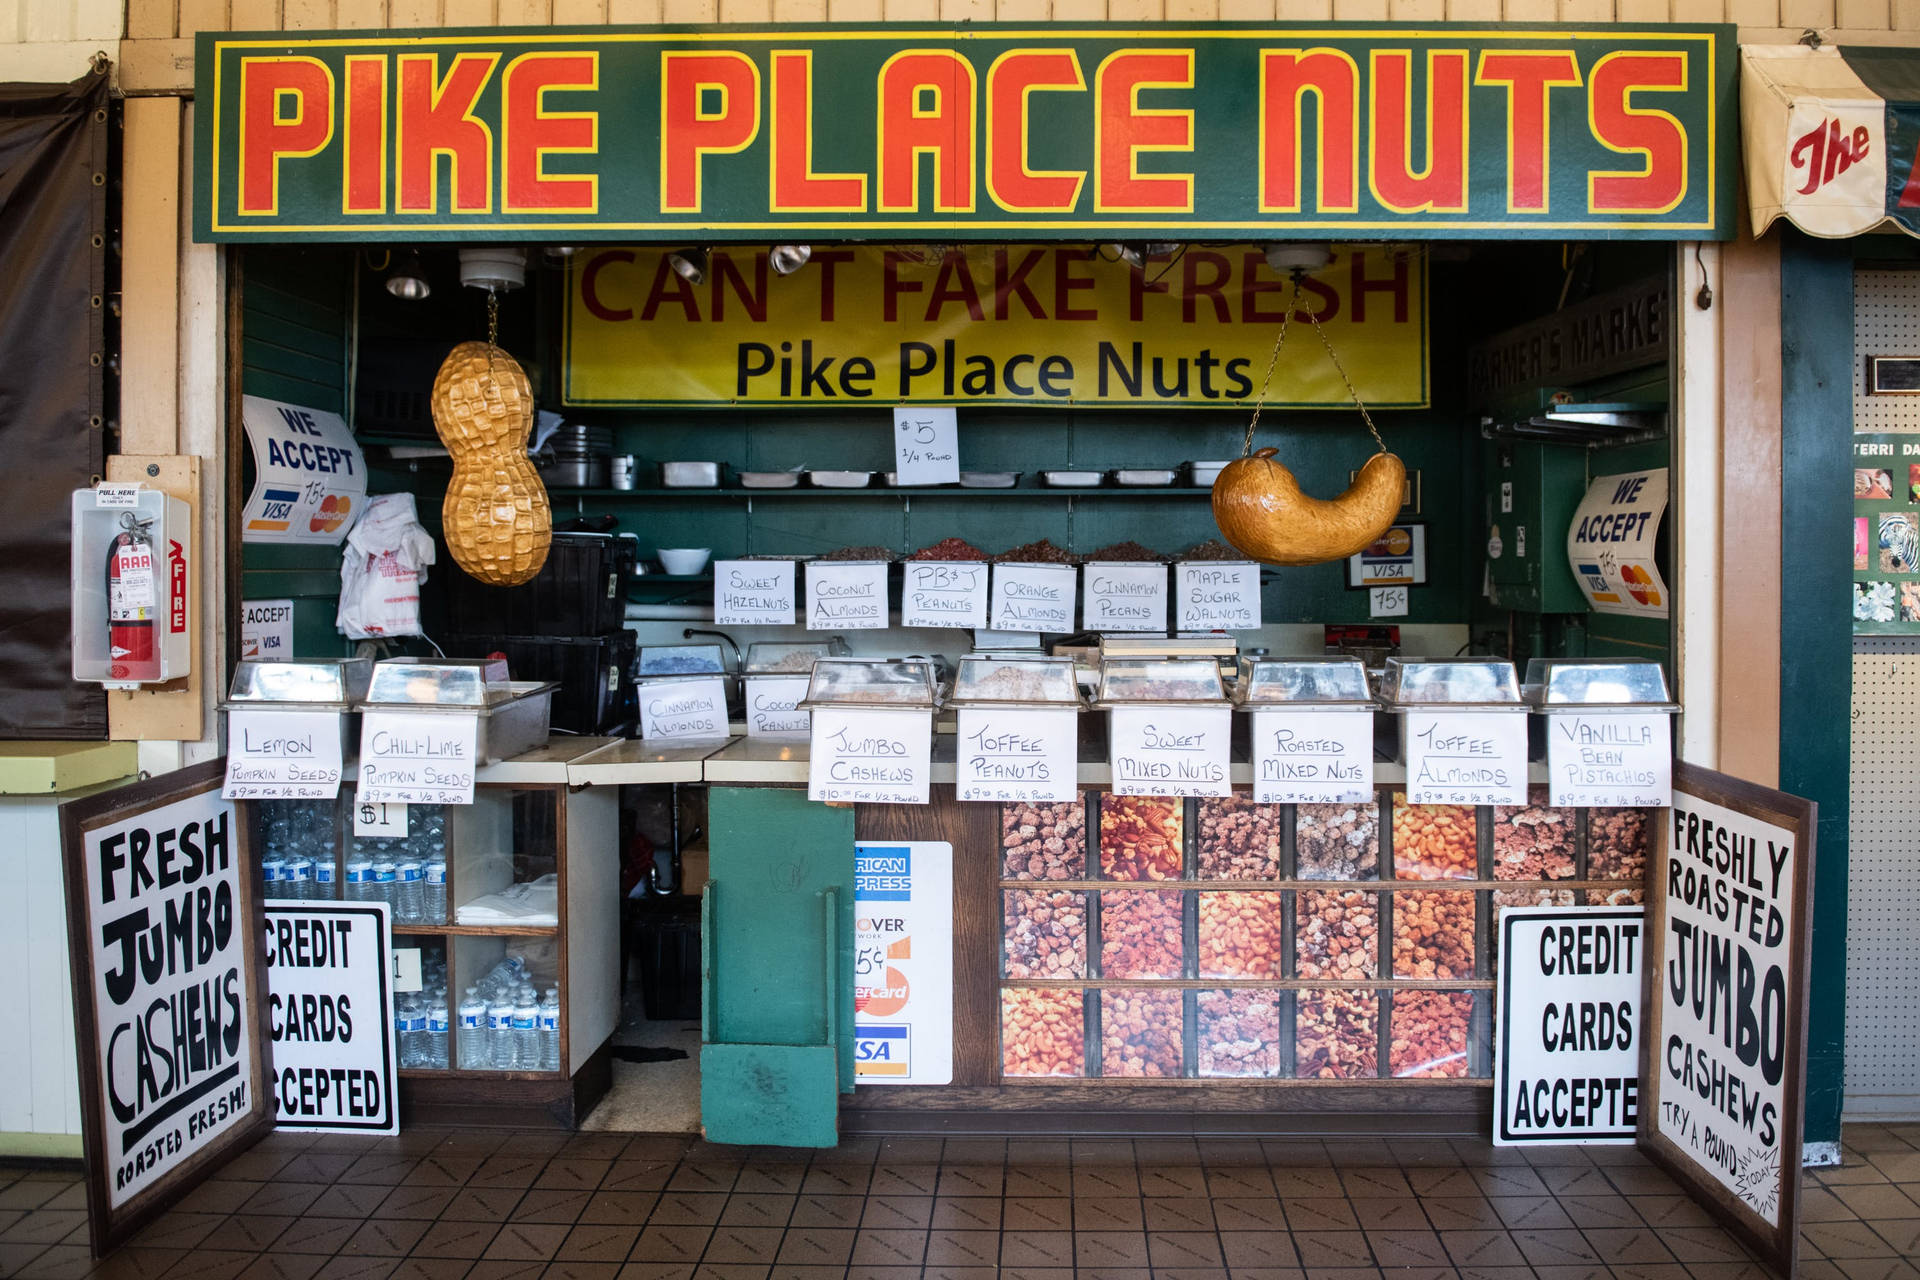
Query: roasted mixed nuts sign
column 983, row 131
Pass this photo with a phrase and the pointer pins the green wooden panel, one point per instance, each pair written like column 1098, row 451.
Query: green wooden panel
column 778, row 940
column 769, row 1095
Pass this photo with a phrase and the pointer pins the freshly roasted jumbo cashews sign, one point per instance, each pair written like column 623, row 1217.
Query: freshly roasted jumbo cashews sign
column 1061, row 132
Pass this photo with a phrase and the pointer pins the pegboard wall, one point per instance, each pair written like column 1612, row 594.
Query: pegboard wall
column 1883, row 891
column 1886, row 322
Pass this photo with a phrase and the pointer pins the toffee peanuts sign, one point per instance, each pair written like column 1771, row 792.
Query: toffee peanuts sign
column 1020, row 325
column 335, row 1064
column 1202, row 131
column 164, row 923
column 1724, row 1054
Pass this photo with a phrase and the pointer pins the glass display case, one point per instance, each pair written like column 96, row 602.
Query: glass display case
column 1131, row 682
column 514, row 715
column 790, row 657
column 681, row 660
column 1462, row 684
column 320, row 684
column 906, row 684
column 1302, row 684
column 1597, row 684
column 1022, row 681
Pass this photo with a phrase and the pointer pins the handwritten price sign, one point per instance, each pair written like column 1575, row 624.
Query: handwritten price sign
column 926, row 446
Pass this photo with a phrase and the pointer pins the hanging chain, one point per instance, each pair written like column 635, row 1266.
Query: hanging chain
column 493, row 329
column 1293, row 304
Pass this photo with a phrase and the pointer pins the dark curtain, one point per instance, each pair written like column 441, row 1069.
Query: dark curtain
column 53, row 231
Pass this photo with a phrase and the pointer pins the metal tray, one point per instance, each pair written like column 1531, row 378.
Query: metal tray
column 840, row 479
column 769, row 479
column 689, row 475
column 989, row 479
column 1073, row 479
column 1136, row 478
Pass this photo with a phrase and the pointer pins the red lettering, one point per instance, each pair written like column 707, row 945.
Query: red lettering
column 1214, row 287
column 670, row 288
column 1252, row 286
column 709, row 105
column 1286, row 77
column 1006, row 286
column 436, row 119
column 286, row 112
column 1441, row 185
column 1012, row 81
column 1125, row 130
column 590, row 284
column 892, row 286
column 826, row 262
column 1066, row 284
column 926, row 108
column 954, row 283
column 1647, row 132
column 1399, row 286
column 726, row 274
column 1530, row 77
column 364, row 177
column 530, row 133
column 796, row 187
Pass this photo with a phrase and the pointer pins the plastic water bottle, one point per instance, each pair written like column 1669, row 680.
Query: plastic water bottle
column 475, row 1048
column 433, row 898
column 500, row 1031
column 360, row 886
column 436, row 1050
column 403, row 1009
column 272, row 868
column 408, row 885
column 550, row 1030
column 325, row 888
column 386, row 883
column 526, row 1031
column 296, row 878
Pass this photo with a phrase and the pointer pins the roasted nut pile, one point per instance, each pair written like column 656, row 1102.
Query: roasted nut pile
column 1336, row 1035
column 1238, row 1032
column 1238, row 839
column 949, row 549
column 1622, row 897
column 860, row 553
column 1430, row 1031
column 802, row 661
column 1141, row 934
column 1140, row 838
column 1046, row 934
column 1121, row 552
column 1337, row 841
column 1432, row 934
column 1617, row 843
column 1140, row 1032
column 1338, row 934
column 1041, row 552
column 1212, row 549
column 1044, row 841
column 1532, row 842
column 1241, row 935
column 1434, row 841
column 1504, row 898
column 1042, row 1033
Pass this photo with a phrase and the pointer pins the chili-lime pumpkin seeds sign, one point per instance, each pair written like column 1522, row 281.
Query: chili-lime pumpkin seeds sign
column 1725, row 1050
column 165, row 932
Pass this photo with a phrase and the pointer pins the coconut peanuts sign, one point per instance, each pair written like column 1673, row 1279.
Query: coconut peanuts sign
column 1078, row 133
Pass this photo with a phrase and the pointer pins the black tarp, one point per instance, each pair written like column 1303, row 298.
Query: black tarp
column 53, row 230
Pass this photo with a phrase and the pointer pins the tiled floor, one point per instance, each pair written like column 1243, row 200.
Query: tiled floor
column 441, row 1205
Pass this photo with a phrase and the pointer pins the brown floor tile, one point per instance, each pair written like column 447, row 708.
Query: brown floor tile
column 884, row 1247
column 1320, row 1214
column 1440, row 1183
column 837, row 1180
column 574, row 1175
column 622, row 1208
column 1178, row 1213
column 1242, row 1182
column 1628, row 1246
column 507, row 1171
column 904, row 1180
column 1390, row 1213
column 965, row 1213
column 1332, row 1249
column 962, row 1249
column 1601, row 1212
column 380, row 1168
column 864, row 1271
column 322, row 1236
column 756, row 1210
column 1167, row 1249
column 1846, row 1240
column 526, row 1241
column 897, row 1213
column 1507, row 1180
column 281, row 1266
column 1670, row 1211
column 641, row 1175
column 1037, row 1215
column 1240, row 1213
column 357, row 1267
column 708, row 1177
column 406, row 1202
column 456, row 1240
column 1108, row 1213
column 1575, row 1180
column 1559, row 1248
column 670, row 1244
column 827, row 1211
column 573, row 1270
column 549, row 1206
column 597, row 1243
column 1374, row 1181
column 1697, row 1245
column 1874, row 1200
column 1109, row 1180
column 1036, row 1249
column 1246, row 1249
column 1581, row 1271
column 688, row 1208
column 217, row 1195
column 171, row 1230
column 974, row 1180
column 1482, row 1249
column 137, row 1264
column 1407, row 1249
column 357, row 1200
column 418, row 1268
column 1172, row 1180
column 61, row 1262
column 507, row 1269
column 482, row 1204
column 283, row 1197
column 1033, row 1180
column 1537, row 1213
column 247, row 1232
column 385, row 1238
column 743, row 1246
column 817, row 1246
column 1109, row 1249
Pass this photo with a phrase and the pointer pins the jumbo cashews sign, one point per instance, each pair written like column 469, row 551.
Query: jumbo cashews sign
column 985, row 131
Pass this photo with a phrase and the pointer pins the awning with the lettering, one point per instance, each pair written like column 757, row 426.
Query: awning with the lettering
column 1830, row 137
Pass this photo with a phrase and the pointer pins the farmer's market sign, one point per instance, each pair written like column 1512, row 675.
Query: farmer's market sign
column 1210, row 131
column 1019, row 325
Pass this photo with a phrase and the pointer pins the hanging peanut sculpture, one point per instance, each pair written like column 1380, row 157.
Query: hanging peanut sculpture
column 497, row 520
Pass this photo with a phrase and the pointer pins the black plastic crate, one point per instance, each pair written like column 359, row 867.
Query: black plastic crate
column 580, row 591
column 669, row 946
column 595, row 673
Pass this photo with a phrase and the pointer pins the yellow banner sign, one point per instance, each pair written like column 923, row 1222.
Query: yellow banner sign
column 1020, row 325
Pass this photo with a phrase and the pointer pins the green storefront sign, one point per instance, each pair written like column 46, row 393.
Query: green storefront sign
column 982, row 132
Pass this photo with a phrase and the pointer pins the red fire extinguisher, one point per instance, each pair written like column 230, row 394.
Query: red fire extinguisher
column 132, row 602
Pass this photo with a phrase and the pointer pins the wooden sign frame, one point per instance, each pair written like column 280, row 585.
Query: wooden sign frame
column 1776, row 1246
column 111, row 1226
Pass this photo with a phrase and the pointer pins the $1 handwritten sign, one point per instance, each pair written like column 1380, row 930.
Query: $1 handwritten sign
column 1456, row 757
column 846, row 597
column 943, row 593
column 1614, row 759
column 1171, row 751
column 415, row 757
column 1005, row 754
column 753, row 593
column 926, row 446
column 1312, row 757
column 1125, row 597
column 872, row 757
column 1218, row 596
column 282, row 755
column 1033, row 597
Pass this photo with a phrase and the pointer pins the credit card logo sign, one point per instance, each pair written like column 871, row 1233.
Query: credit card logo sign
column 883, row 874
column 1597, row 584
column 881, row 1050
column 276, row 510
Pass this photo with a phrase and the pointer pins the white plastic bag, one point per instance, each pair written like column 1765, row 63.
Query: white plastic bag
column 381, row 568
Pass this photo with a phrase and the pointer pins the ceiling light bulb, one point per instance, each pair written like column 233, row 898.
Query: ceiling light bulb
column 689, row 264
column 408, row 279
column 789, row 258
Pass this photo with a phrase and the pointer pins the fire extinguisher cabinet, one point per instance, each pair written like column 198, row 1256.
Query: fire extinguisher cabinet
column 132, row 552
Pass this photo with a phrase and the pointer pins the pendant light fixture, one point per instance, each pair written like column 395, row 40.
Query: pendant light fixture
column 408, row 279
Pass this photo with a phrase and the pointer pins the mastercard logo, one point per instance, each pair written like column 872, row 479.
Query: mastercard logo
column 1640, row 585
column 333, row 512
column 1394, row 542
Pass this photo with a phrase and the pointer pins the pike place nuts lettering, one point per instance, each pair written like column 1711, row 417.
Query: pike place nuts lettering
column 1044, row 841
column 1337, row 841
column 1046, row 933
column 1337, row 934
column 1238, row 839
column 1431, row 1030
column 1141, row 1032
column 1433, row 934
column 1336, row 1035
column 1241, row 935
column 1434, row 841
column 1532, row 842
column 1141, row 934
column 1042, row 1033
column 1140, row 838
column 1237, row 1033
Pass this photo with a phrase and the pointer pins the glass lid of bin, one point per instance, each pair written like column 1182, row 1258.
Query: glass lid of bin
column 444, row 682
column 681, row 660
column 991, row 680
column 1413, row 684
column 1136, row 681
column 790, row 657
column 1303, row 684
column 309, row 681
column 1584, row 684
column 907, row 683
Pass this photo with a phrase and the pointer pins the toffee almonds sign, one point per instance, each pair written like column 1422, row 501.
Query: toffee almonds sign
column 164, row 925
column 1723, row 1059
